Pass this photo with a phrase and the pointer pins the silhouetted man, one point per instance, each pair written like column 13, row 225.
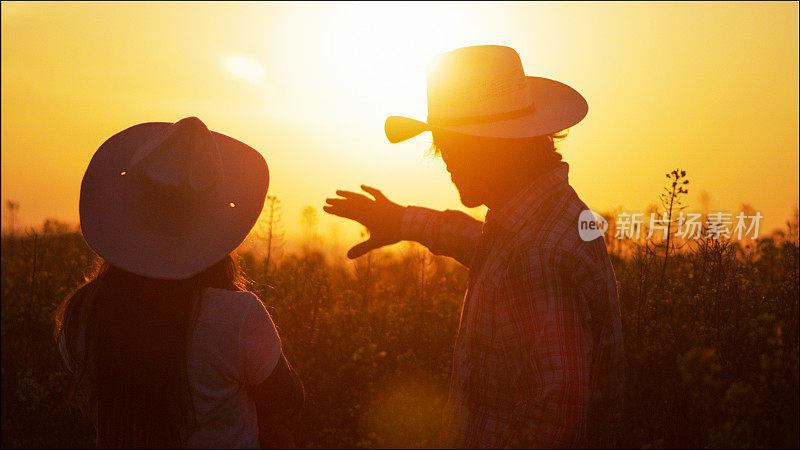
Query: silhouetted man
column 538, row 357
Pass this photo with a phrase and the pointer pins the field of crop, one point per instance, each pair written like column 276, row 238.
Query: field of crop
column 711, row 340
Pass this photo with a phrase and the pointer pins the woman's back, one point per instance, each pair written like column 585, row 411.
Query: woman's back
column 233, row 346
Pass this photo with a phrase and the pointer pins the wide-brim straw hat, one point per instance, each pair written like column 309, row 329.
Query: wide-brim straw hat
column 168, row 200
column 483, row 91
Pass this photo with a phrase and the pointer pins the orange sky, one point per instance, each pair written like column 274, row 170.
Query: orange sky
column 711, row 88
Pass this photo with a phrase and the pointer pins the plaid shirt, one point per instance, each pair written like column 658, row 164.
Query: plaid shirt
column 538, row 359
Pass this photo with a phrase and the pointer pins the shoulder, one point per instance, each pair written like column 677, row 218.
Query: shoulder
column 228, row 311
column 241, row 301
column 244, row 307
column 556, row 235
column 561, row 255
column 238, row 312
column 224, row 295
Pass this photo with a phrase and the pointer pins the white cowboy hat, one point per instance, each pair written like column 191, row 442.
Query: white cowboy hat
column 483, row 91
column 167, row 200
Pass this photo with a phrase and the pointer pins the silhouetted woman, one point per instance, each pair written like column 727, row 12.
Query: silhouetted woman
column 165, row 340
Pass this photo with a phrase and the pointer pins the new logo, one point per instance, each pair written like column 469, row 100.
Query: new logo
column 591, row 225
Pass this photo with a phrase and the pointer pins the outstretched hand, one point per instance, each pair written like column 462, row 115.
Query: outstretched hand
column 381, row 216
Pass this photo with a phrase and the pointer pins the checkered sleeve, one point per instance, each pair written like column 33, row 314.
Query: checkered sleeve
column 449, row 233
column 546, row 330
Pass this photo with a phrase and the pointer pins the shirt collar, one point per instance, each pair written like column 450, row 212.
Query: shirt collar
column 514, row 214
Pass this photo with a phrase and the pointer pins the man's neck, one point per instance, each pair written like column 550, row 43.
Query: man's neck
column 504, row 193
column 509, row 186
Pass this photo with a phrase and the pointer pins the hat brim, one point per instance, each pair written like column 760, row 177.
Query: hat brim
column 558, row 107
column 109, row 226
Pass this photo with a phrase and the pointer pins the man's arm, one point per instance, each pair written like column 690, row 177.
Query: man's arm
column 547, row 338
column 448, row 233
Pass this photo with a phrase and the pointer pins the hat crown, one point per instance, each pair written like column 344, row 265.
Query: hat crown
column 476, row 81
column 173, row 175
column 184, row 156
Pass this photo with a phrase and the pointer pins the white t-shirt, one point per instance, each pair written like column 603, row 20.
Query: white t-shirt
column 234, row 345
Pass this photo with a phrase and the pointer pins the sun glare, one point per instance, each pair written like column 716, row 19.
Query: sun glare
column 346, row 67
column 378, row 53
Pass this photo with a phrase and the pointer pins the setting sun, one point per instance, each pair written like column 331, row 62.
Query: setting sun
column 378, row 53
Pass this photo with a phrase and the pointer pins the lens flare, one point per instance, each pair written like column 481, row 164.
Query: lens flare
column 245, row 68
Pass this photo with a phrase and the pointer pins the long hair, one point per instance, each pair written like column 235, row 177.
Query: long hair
column 128, row 336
